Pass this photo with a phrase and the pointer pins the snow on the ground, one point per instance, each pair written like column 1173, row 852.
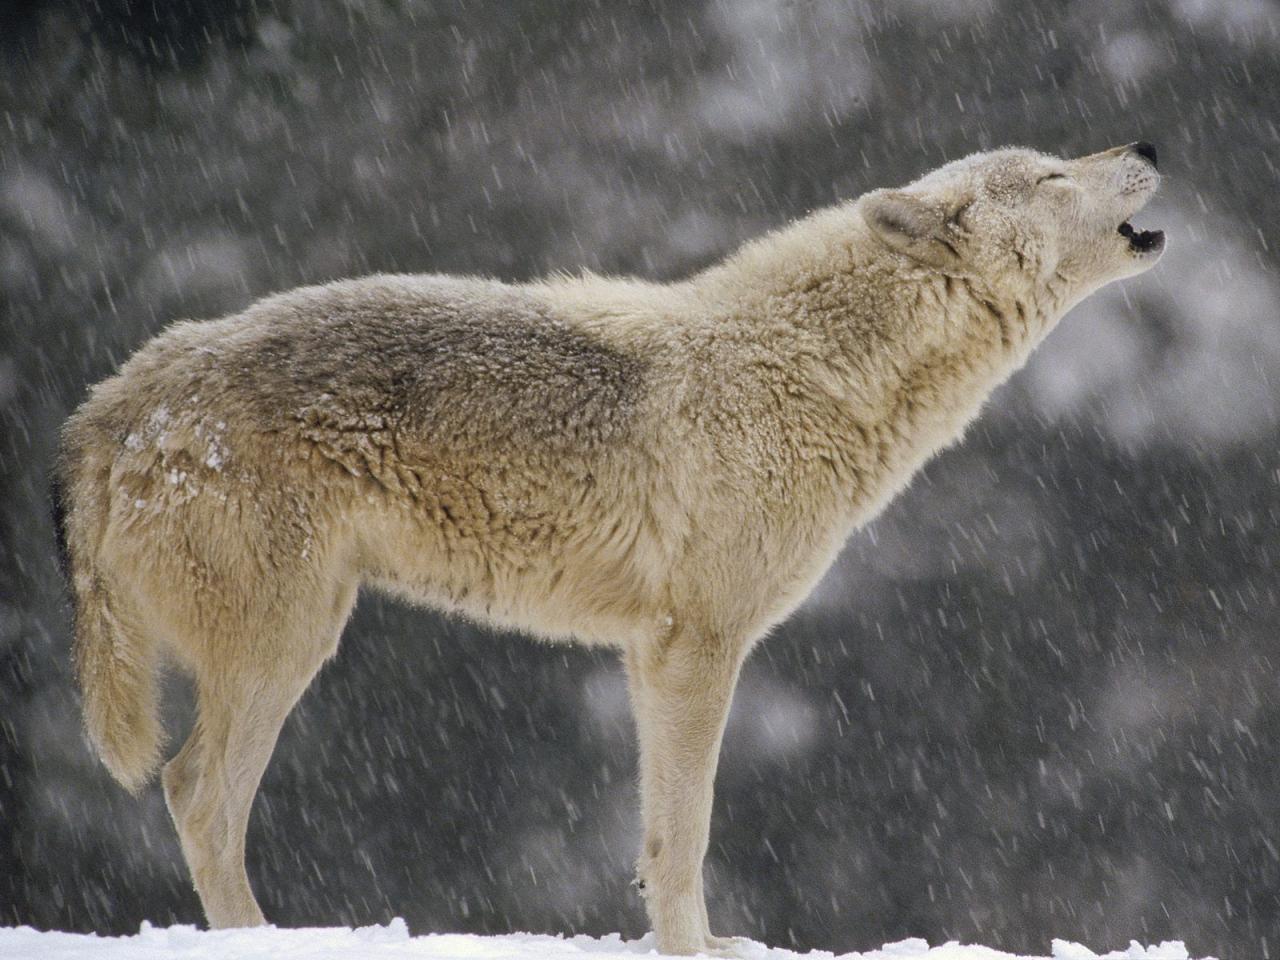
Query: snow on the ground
column 392, row 942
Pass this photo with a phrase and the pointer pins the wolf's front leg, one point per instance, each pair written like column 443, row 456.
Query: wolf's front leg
column 681, row 686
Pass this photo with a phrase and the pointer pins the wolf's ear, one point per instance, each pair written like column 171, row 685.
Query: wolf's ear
column 915, row 227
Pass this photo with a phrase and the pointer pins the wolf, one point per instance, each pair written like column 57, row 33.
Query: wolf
column 666, row 469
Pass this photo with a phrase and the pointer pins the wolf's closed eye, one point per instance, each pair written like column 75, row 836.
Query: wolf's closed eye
column 957, row 216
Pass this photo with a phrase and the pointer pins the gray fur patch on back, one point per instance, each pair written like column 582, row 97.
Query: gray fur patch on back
column 439, row 363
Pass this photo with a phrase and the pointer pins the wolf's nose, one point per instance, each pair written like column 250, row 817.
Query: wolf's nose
column 1146, row 151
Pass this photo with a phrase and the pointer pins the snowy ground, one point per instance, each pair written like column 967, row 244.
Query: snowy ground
column 393, row 942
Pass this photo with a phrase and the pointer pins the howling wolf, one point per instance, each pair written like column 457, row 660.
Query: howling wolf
column 666, row 469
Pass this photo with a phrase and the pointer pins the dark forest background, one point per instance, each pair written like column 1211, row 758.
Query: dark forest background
column 1037, row 698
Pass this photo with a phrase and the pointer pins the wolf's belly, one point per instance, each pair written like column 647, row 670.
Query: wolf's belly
column 570, row 568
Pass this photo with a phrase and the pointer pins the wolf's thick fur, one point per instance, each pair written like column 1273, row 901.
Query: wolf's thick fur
column 666, row 469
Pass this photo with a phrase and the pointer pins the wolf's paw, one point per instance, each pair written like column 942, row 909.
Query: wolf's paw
column 739, row 948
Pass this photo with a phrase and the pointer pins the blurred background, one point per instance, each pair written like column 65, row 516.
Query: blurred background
column 1037, row 698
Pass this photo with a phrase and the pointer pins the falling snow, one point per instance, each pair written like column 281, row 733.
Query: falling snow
column 1037, row 697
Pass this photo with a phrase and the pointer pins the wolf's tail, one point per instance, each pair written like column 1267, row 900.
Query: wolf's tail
column 114, row 657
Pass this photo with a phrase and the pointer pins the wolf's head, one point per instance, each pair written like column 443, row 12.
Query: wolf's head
column 1026, row 224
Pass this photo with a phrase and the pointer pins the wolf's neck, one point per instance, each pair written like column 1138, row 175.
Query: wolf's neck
column 890, row 364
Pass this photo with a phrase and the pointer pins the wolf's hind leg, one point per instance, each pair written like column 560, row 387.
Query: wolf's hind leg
column 210, row 785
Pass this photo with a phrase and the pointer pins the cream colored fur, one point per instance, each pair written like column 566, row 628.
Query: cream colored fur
column 665, row 469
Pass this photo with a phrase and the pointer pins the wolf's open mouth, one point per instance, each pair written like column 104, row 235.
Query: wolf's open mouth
column 1141, row 241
